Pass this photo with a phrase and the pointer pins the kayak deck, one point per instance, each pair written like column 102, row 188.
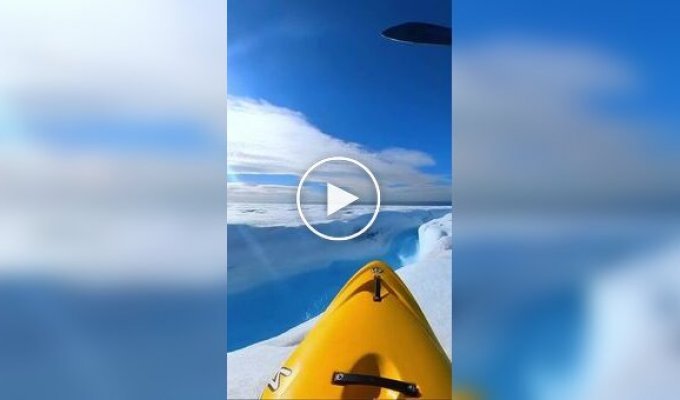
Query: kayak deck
column 373, row 341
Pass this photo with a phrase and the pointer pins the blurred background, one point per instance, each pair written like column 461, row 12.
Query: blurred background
column 566, row 171
column 112, row 199
column 566, row 199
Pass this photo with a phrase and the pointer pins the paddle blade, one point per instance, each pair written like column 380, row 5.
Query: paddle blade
column 419, row 32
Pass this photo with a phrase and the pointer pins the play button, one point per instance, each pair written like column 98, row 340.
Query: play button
column 337, row 199
column 351, row 183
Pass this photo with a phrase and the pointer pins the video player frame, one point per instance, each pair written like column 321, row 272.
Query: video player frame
column 339, row 201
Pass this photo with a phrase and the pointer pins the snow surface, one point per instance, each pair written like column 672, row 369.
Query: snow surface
column 269, row 215
column 429, row 279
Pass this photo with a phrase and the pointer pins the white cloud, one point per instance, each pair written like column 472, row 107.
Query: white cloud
column 409, row 157
column 266, row 139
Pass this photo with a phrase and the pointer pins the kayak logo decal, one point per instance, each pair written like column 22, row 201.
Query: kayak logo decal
column 275, row 383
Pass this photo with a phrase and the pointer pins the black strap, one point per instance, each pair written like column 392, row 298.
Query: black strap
column 376, row 288
column 407, row 388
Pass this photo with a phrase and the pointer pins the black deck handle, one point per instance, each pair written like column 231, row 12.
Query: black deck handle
column 376, row 288
column 345, row 379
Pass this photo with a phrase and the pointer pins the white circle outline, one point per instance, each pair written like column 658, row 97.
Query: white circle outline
column 375, row 211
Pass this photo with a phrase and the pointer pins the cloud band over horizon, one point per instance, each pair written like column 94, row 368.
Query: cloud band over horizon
column 268, row 140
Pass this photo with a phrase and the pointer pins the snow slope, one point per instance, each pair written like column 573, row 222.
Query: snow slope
column 429, row 279
column 631, row 348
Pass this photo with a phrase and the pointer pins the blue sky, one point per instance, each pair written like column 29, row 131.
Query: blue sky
column 327, row 61
column 577, row 93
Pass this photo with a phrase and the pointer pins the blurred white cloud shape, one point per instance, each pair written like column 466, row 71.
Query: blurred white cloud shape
column 104, row 57
column 530, row 131
column 114, row 220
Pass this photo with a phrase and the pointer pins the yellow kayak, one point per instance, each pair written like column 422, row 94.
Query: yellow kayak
column 373, row 342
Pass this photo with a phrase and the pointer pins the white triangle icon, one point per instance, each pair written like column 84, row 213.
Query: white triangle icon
column 337, row 199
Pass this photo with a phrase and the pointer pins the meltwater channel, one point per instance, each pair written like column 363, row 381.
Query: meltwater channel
column 272, row 308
